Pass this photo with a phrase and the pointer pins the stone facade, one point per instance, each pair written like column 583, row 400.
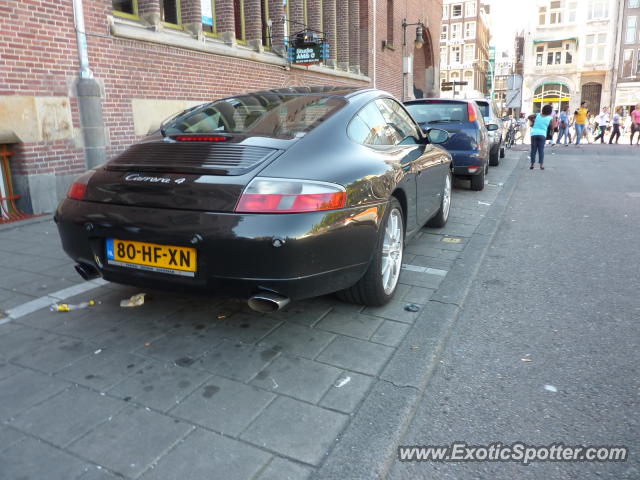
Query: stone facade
column 627, row 86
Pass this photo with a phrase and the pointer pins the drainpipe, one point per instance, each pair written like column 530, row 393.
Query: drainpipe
column 374, row 43
column 89, row 98
column 616, row 58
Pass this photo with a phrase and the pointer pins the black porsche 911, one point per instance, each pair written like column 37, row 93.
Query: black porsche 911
column 273, row 195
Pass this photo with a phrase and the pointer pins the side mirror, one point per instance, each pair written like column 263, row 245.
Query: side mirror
column 492, row 127
column 437, row 135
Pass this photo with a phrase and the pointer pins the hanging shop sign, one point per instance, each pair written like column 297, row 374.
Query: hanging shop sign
column 308, row 48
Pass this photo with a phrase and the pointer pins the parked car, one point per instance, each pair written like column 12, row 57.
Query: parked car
column 491, row 116
column 274, row 195
column 468, row 143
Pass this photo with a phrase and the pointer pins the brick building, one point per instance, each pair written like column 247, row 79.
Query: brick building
column 464, row 45
column 147, row 59
column 627, row 81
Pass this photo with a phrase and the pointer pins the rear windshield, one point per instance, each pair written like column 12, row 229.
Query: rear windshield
column 484, row 109
column 269, row 115
column 445, row 112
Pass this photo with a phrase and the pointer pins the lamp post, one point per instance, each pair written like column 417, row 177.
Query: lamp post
column 407, row 67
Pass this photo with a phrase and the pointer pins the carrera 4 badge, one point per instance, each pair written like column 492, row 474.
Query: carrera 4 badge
column 136, row 177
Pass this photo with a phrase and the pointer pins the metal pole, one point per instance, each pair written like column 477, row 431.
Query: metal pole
column 81, row 38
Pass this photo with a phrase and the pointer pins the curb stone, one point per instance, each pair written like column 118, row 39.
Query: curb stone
column 367, row 447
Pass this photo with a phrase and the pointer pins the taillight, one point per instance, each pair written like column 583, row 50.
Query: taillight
column 472, row 112
column 78, row 189
column 280, row 195
column 201, row 138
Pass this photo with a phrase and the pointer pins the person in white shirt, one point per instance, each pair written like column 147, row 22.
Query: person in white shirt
column 602, row 120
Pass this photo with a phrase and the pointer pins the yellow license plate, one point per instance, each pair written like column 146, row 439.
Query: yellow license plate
column 152, row 256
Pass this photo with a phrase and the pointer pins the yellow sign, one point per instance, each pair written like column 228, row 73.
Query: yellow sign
column 152, row 256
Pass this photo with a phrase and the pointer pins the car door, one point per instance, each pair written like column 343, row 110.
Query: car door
column 426, row 161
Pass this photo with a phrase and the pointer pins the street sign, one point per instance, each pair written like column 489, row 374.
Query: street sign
column 514, row 91
column 446, row 89
column 451, row 84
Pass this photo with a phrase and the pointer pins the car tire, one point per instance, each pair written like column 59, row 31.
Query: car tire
column 494, row 157
column 440, row 219
column 477, row 181
column 375, row 289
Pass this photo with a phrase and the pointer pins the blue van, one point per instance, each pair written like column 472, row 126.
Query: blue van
column 468, row 141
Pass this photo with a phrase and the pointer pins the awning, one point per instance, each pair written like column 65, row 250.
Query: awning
column 556, row 40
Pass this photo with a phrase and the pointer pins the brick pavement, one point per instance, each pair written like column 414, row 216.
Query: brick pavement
column 186, row 386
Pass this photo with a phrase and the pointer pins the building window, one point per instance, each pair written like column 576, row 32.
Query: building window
column 455, row 31
column 444, row 33
column 568, row 53
column 539, row 55
column 627, row 63
column 443, row 56
column 469, row 53
column 542, row 15
column 470, row 30
column 571, row 15
column 456, row 11
column 455, row 54
column 633, row 4
column 238, row 11
column 128, row 8
column 445, row 12
column 597, row 9
column 555, row 12
column 468, row 77
column 595, row 47
column 208, row 13
column 454, row 76
column 470, row 9
column 170, row 12
column 630, row 33
column 638, row 63
column 389, row 22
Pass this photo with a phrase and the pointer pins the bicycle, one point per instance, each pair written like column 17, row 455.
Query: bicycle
column 511, row 136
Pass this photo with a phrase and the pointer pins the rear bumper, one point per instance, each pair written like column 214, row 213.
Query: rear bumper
column 322, row 252
column 462, row 160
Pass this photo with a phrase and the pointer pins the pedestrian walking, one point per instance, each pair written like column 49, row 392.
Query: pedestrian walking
column 581, row 120
column 522, row 127
column 553, row 126
column 563, row 126
column 539, row 127
column 615, row 123
column 635, row 124
column 602, row 120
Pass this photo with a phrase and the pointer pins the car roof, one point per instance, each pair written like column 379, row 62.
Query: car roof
column 326, row 90
column 437, row 100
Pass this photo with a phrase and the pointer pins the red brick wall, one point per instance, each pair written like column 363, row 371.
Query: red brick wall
column 38, row 57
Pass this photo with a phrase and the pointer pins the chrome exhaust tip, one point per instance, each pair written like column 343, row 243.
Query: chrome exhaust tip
column 87, row 272
column 267, row 302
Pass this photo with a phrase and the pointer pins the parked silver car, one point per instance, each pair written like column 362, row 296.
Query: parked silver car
column 491, row 116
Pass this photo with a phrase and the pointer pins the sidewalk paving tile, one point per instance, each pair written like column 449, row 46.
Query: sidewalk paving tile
column 297, row 377
column 159, row 385
column 132, row 440
column 419, row 295
column 104, row 369
column 180, row 343
column 356, row 325
column 24, row 389
column 346, row 395
column 357, row 355
column 93, row 472
column 296, row 429
column 245, row 328
column 281, row 469
column 304, row 312
column 420, row 279
column 237, row 361
column 55, row 355
column 298, row 340
column 223, row 405
column 207, row 455
column 22, row 340
column 390, row 333
column 9, row 437
column 8, row 369
column 57, row 423
column 33, row 459
column 395, row 310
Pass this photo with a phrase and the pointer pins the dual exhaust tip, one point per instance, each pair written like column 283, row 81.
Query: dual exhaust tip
column 264, row 302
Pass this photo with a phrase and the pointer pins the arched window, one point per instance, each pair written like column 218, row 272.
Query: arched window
column 556, row 94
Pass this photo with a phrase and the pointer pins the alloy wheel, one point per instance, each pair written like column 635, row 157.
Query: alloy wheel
column 392, row 249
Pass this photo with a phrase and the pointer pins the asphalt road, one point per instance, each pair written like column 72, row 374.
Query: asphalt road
column 558, row 286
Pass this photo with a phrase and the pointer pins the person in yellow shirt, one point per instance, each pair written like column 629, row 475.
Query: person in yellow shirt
column 581, row 120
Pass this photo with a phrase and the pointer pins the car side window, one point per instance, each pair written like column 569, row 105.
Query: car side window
column 405, row 128
column 370, row 128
